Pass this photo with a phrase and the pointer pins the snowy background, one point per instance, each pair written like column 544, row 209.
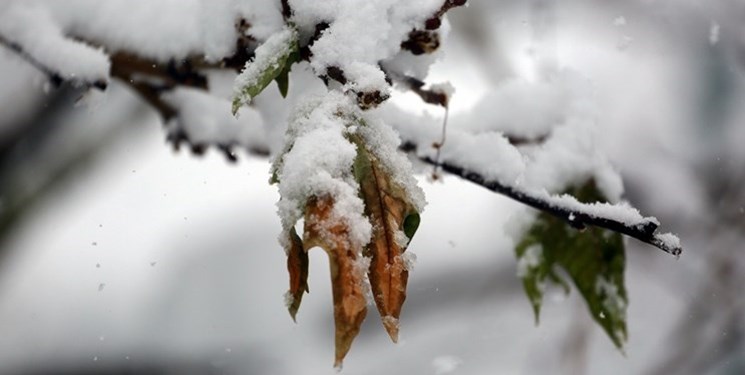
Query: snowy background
column 130, row 257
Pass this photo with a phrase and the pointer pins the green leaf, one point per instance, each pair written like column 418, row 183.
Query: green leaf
column 411, row 224
column 594, row 259
column 271, row 60
column 283, row 79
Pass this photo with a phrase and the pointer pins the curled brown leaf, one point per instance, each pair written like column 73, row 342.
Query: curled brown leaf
column 324, row 230
column 297, row 266
column 387, row 207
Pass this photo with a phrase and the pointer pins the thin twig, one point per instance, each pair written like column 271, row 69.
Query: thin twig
column 645, row 230
column 438, row 146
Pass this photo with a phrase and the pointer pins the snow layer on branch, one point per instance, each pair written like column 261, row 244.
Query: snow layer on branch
column 32, row 28
column 521, row 109
column 490, row 154
column 165, row 29
column 569, row 157
column 318, row 162
column 366, row 78
column 360, row 31
column 621, row 212
column 206, row 119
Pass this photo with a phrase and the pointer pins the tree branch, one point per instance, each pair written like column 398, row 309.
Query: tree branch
column 416, row 86
column 575, row 216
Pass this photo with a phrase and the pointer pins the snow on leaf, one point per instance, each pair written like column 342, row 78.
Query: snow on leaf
column 594, row 259
column 388, row 207
column 316, row 182
column 343, row 174
column 272, row 61
column 350, row 305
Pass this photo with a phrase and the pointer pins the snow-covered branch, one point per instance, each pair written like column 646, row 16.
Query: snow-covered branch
column 56, row 76
column 618, row 218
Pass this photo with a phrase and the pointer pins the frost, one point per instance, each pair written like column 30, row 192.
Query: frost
column 409, row 260
column 401, row 239
column 530, row 260
column 446, row 364
column 361, row 265
column 612, row 301
column 289, row 299
column 390, row 321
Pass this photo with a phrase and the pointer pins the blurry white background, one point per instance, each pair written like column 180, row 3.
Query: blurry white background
column 125, row 257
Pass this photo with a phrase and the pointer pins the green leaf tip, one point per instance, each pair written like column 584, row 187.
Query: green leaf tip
column 411, row 224
column 272, row 61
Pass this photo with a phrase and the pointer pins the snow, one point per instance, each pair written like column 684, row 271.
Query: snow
column 289, row 299
column 361, row 267
column 318, row 162
column 360, row 31
column 446, row 88
column 175, row 29
column 409, row 259
column 670, row 240
column 489, row 154
column 364, row 77
column 268, row 56
column 383, row 143
column 34, row 30
column 612, row 300
column 566, row 156
column 401, row 239
column 206, row 119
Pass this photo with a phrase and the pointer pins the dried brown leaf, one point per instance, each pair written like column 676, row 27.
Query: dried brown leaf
column 297, row 266
column 331, row 234
column 387, row 207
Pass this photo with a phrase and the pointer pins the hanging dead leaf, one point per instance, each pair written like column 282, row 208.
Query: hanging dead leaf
column 347, row 277
column 394, row 222
column 297, row 266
